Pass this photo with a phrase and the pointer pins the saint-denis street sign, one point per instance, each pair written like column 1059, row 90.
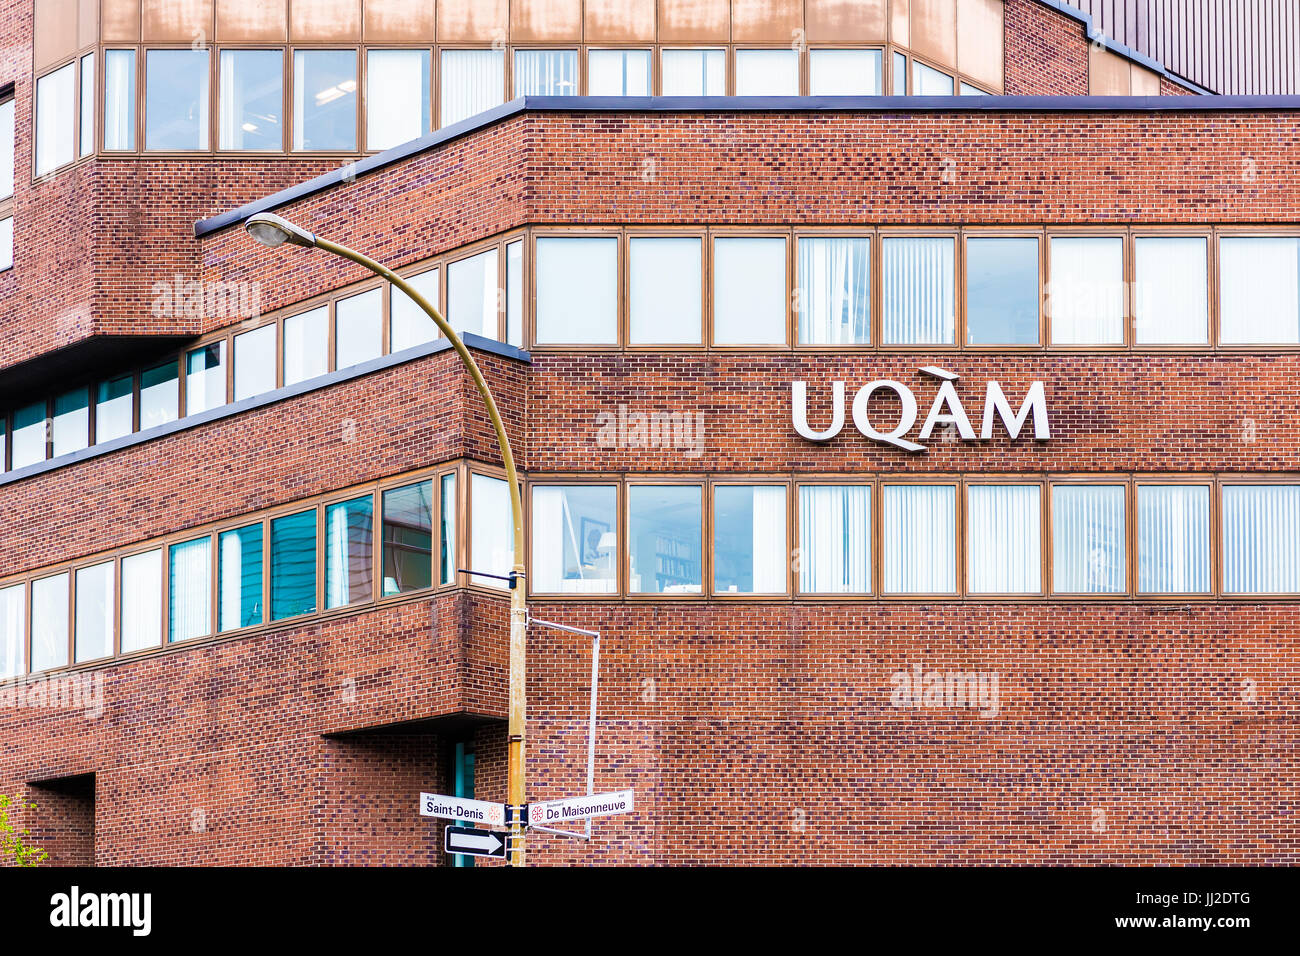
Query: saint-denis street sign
column 462, row 810
column 576, row 808
column 472, row 842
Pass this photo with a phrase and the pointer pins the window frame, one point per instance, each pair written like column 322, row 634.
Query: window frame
column 700, row 481
column 616, row 482
column 1044, row 542
column 963, row 307
column 1214, row 533
column 785, row 234
column 709, row 588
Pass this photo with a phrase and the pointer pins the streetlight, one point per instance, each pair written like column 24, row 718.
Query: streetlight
column 274, row 231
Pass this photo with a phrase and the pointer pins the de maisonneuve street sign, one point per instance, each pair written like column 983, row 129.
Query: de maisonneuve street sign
column 550, row 812
column 462, row 810
column 472, row 842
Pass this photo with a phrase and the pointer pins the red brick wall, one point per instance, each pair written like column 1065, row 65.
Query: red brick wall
column 1044, row 52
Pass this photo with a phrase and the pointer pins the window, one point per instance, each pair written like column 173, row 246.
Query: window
column 293, row 565
column 176, row 99
column 1170, row 301
column 694, row 72
column 251, row 100
column 349, row 552
column 95, row 598
column 50, row 622
column 30, row 433
column 834, row 293
column 546, row 73
column 410, row 324
column 55, row 129
column 114, row 407
column 664, row 539
column 767, row 73
column 472, row 294
column 577, row 290
column 239, row 578
column 86, row 131
column 844, row 72
column 1002, row 291
column 918, row 302
column 255, row 362
column 447, row 555
column 398, row 100
column 575, row 539
column 835, row 539
column 665, row 290
column 1004, row 539
column 1089, row 550
column 408, row 538
column 618, row 73
column 13, row 631
column 1259, row 289
column 969, row 90
column 515, row 293
column 142, row 601
column 749, row 291
column 325, row 100
column 306, row 345
column 1173, row 539
column 927, row 81
column 189, row 598
column 919, row 539
column 71, row 423
column 159, row 395
column 749, row 546
column 6, row 243
column 205, row 378
column 119, row 99
column 1261, row 539
column 491, row 537
column 7, row 149
column 899, row 74
column 1085, row 300
column 472, row 81
column 358, row 328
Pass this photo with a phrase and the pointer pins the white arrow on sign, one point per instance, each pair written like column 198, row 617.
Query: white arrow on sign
column 459, row 808
column 576, row 808
column 488, row 843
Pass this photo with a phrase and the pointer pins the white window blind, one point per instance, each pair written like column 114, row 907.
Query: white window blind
column 666, row 290
column 749, row 291
column 767, row 73
column 693, row 72
column 1170, row 297
column 835, row 539
column 844, row 73
column 13, row 630
column 577, row 290
column 1261, row 539
column 411, row 325
column 618, row 73
column 834, row 290
column 919, row 302
column 546, row 73
column 1005, row 553
column 1173, row 539
column 1259, row 289
column 397, row 97
column 472, row 81
column 1088, row 539
column 142, row 600
column 1086, row 290
column 919, row 539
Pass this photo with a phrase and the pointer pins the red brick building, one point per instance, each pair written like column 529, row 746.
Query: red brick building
column 912, row 617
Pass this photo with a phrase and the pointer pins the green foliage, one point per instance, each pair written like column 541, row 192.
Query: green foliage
column 15, row 850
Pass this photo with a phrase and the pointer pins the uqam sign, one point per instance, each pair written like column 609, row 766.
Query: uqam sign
column 947, row 410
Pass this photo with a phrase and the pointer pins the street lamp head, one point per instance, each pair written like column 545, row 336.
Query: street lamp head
column 273, row 231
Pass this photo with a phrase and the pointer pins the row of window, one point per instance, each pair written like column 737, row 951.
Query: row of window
column 931, row 538
column 6, row 182
column 323, row 109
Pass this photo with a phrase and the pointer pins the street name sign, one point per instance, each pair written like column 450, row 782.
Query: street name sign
column 461, row 809
column 472, row 842
column 576, row 808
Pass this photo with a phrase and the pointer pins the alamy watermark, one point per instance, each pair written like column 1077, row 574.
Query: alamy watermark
column 197, row 299
column 84, row 692
column 938, row 689
column 677, row 431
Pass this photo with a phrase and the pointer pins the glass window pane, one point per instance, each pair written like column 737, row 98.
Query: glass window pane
column 969, row 90
column 1259, row 289
column 664, row 534
column 325, row 100
column 919, row 539
column 397, row 97
column 491, row 536
column 1089, row 553
column 86, row 133
column 408, row 538
column 577, row 290
column 834, row 295
column 239, row 578
column 50, row 622
column 255, row 362
column 349, row 552
column 835, row 539
column 29, row 438
column 251, row 99
column 927, row 81
column 93, row 634
column 767, row 73
column 546, row 73
column 618, row 73
column 411, row 325
column 1002, row 291
column 119, row 99
column 71, row 425
column 1004, row 534
column 666, row 290
column 447, row 532
column 575, row 539
column 159, row 395
column 694, row 72
column 189, row 590
column 55, row 122
column 750, row 555
column 844, row 73
column 1261, row 539
column 1170, row 301
column 176, row 99
column 900, row 75
column 6, row 243
column 515, row 293
column 114, row 401
column 13, row 631
column 358, row 328
column 205, row 378
column 306, row 345
column 7, row 148
column 472, row 294
column 918, row 302
column 1173, row 539
column 293, row 565
column 749, row 291
column 1085, row 298
column 472, row 81
column 142, row 600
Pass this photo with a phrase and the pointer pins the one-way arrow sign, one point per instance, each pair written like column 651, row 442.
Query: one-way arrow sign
column 472, row 842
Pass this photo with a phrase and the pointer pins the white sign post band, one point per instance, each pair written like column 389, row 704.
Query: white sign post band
column 459, row 808
column 577, row 808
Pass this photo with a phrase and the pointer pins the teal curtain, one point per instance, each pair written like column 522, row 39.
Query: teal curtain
column 293, row 565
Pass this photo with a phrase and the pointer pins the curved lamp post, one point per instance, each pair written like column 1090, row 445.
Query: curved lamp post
column 273, row 231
